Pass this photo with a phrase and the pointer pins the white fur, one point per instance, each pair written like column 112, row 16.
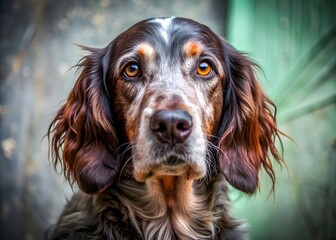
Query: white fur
column 165, row 23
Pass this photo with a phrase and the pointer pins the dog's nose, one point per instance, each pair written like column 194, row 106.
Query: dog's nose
column 171, row 126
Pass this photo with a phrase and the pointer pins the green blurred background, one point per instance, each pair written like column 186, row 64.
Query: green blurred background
column 293, row 41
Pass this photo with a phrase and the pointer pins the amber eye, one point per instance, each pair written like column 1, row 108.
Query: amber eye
column 132, row 70
column 204, row 69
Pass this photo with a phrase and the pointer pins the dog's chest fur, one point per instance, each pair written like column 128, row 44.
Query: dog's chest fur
column 131, row 211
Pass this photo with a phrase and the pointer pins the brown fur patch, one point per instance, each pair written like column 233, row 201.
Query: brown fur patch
column 145, row 50
column 168, row 184
column 193, row 48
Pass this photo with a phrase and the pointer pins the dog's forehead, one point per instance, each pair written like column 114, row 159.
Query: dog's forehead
column 165, row 41
column 174, row 30
column 166, row 34
column 164, row 24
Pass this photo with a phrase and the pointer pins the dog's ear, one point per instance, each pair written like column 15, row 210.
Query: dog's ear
column 83, row 137
column 248, row 126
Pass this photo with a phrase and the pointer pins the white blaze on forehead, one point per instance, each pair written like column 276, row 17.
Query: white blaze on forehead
column 165, row 23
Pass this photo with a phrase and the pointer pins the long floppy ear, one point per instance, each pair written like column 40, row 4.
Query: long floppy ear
column 83, row 138
column 248, row 126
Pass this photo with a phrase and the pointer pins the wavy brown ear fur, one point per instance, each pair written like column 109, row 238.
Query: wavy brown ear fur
column 248, row 127
column 83, row 139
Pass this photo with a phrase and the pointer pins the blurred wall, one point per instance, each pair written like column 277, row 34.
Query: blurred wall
column 293, row 41
column 295, row 44
column 37, row 53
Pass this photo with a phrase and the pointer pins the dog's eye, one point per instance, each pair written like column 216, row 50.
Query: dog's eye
column 132, row 70
column 204, row 68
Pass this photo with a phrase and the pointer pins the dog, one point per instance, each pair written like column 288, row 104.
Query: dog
column 156, row 127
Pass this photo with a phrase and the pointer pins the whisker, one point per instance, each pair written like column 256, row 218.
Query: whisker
column 123, row 167
column 121, row 156
column 218, row 149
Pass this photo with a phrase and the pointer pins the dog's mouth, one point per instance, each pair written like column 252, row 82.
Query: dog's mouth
column 172, row 168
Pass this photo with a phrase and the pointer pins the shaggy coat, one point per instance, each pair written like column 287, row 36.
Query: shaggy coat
column 157, row 125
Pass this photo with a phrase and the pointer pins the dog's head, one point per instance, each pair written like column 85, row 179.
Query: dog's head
column 175, row 91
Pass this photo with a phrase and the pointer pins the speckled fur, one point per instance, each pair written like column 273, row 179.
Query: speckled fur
column 136, row 186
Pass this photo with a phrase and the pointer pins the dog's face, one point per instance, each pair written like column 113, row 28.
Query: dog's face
column 181, row 96
column 168, row 94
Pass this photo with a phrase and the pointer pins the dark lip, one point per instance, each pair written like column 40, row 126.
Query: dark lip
column 171, row 153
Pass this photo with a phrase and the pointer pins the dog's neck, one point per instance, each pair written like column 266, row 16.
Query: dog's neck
column 172, row 207
column 172, row 191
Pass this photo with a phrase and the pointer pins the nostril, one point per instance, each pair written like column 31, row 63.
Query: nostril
column 162, row 127
column 182, row 126
column 182, row 131
column 157, row 124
